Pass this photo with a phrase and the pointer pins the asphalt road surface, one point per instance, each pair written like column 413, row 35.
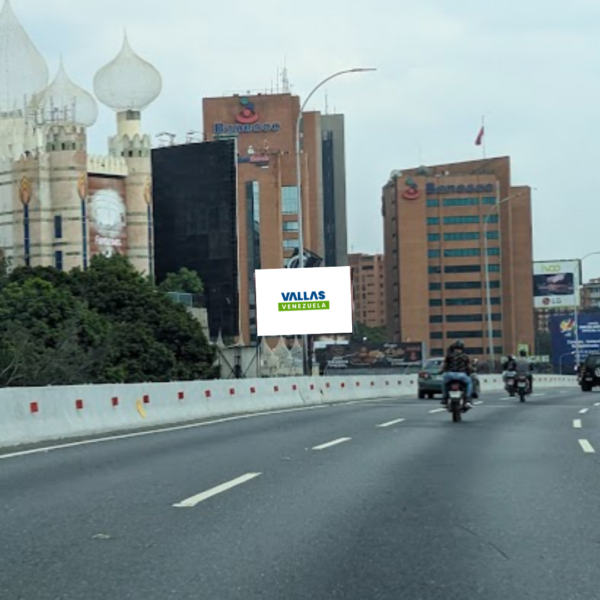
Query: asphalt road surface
column 365, row 501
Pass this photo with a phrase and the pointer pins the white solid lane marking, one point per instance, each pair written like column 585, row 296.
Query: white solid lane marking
column 392, row 423
column 587, row 447
column 583, row 411
column 437, row 410
column 577, row 423
column 195, row 500
column 597, row 404
column 128, row 436
column 330, row 444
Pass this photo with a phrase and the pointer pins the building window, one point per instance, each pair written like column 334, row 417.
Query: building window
column 437, row 352
column 493, row 251
column 461, row 202
column 461, row 252
column 492, row 235
column 496, row 317
column 474, row 351
column 464, row 334
column 495, row 301
column 464, row 302
column 493, row 268
column 461, row 236
column 58, row 260
column 463, row 285
column 435, row 302
column 433, row 237
column 437, row 335
column 468, row 220
column 436, row 319
column 58, row 232
column 291, row 244
column 435, row 270
column 488, row 200
column 492, row 219
column 433, row 221
column 289, row 200
column 464, row 318
column 291, row 226
column 433, row 253
column 494, row 285
column 432, row 203
column 463, row 269
column 434, row 287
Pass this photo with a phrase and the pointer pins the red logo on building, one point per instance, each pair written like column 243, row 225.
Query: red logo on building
column 248, row 115
column 412, row 191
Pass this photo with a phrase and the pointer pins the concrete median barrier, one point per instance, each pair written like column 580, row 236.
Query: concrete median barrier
column 34, row 415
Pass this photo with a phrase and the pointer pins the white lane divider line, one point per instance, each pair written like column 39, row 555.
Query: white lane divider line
column 583, row 411
column 478, row 402
column 587, row 447
column 392, row 423
column 330, row 444
column 597, row 404
column 195, row 500
column 577, row 423
column 437, row 410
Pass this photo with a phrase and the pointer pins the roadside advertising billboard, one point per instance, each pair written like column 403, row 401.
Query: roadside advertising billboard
column 562, row 335
column 370, row 355
column 303, row 301
column 556, row 283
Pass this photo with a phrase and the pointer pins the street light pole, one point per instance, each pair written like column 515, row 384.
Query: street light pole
column 491, row 353
column 576, row 313
column 299, row 189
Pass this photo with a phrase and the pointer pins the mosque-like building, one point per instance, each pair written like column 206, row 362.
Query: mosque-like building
column 59, row 205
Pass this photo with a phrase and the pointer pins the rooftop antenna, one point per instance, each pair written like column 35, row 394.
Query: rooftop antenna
column 284, row 79
column 326, row 103
column 277, row 80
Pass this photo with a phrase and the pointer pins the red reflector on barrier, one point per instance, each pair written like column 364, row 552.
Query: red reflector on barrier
column 181, row 396
column 115, row 402
column 276, row 388
column 253, row 390
column 327, row 385
column 207, row 393
column 146, row 399
column 387, row 383
column 358, row 384
column 372, row 384
column 312, row 386
column 343, row 385
column 79, row 404
column 231, row 392
column 294, row 387
column 34, row 407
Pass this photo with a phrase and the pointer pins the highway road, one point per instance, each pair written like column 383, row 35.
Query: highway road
column 381, row 500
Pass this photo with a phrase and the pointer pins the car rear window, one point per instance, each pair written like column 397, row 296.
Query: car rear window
column 433, row 366
column 593, row 360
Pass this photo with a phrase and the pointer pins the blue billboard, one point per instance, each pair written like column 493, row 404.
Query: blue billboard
column 562, row 333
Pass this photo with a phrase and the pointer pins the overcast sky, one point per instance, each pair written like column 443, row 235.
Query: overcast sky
column 532, row 67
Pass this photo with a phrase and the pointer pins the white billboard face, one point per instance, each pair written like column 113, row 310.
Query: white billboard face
column 556, row 284
column 303, row 301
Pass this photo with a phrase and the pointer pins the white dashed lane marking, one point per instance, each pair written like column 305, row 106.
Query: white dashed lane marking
column 587, row 447
column 330, row 444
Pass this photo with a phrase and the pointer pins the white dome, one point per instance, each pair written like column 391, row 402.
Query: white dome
column 63, row 101
column 128, row 82
column 23, row 70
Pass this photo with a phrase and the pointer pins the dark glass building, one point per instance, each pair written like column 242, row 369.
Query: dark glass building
column 195, row 223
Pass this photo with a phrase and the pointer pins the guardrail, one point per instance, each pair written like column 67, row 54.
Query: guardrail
column 34, row 415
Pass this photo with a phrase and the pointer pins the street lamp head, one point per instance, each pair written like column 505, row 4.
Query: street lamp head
column 363, row 69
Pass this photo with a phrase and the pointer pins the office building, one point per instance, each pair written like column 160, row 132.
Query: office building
column 60, row 205
column 196, row 224
column 264, row 129
column 368, row 289
column 590, row 295
column 439, row 224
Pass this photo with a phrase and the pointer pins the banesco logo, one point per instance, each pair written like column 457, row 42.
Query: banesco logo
column 294, row 301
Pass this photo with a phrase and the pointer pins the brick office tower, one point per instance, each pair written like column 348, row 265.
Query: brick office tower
column 434, row 225
column 264, row 129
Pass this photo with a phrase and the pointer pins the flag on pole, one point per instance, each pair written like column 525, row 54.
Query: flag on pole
column 479, row 140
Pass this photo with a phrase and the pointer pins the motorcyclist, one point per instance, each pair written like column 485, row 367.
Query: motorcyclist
column 457, row 366
column 509, row 366
column 523, row 366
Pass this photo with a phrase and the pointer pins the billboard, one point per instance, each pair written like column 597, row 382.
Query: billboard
column 303, row 301
column 556, row 283
column 370, row 355
column 562, row 334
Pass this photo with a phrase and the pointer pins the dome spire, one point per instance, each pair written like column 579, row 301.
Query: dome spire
column 23, row 70
column 128, row 82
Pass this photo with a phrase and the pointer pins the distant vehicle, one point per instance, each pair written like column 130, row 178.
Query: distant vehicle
column 430, row 381
column 590, row 373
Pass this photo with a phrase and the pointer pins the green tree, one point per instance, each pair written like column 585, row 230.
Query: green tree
column 184, row 282
column 373, row 334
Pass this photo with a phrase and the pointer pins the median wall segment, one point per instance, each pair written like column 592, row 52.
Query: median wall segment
column 34, row 415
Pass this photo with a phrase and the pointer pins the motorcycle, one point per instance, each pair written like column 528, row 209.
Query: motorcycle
column 523, row 387
column 511, row 383
column 457, row 400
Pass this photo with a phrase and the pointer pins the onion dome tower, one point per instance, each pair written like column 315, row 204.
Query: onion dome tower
column 65, row 102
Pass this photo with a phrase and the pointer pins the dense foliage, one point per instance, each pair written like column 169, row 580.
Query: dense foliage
column 107, row 324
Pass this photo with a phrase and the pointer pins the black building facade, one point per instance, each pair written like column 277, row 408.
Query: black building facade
column 195, row 223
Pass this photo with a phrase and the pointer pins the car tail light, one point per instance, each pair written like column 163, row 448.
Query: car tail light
column 424, row 375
